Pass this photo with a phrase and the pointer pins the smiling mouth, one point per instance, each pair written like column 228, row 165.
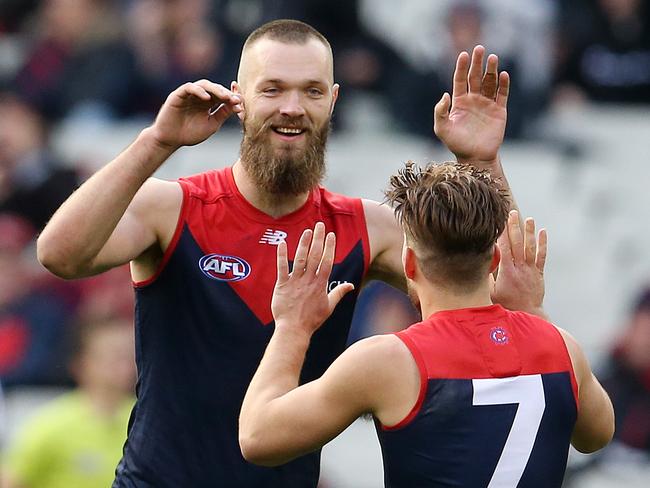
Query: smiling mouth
column 288, row 131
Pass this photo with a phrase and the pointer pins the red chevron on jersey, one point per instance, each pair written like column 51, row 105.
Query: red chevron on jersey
column 239, row 242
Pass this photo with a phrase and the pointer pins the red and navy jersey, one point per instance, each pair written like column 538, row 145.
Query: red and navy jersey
column 203, row 322
column 497, row 404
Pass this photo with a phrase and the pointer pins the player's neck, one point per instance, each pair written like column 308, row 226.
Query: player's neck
column 438, row 298
column 273, row 205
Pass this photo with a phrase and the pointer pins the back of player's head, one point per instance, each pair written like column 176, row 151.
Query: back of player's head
column 288, row 31
column 452, row 215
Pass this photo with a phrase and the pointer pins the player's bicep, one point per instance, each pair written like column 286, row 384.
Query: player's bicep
column 145, row 228
column 594, row 426
column 311, row 415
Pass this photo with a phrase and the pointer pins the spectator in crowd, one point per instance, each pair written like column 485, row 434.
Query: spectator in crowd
column 79, row 63
column 33, row 184
column 429, row 34
column 628, row 379
column 176, row 41
column 33, row 320
column 76, row 440
column 604, row 52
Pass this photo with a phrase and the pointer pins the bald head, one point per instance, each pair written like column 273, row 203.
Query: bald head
column 285, row 32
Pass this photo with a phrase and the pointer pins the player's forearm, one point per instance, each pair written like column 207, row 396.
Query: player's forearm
column 83, row 224
column 277, row 374
column 495, row 168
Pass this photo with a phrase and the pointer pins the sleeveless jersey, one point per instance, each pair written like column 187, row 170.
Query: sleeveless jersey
column 202, row 324
column 497, row 403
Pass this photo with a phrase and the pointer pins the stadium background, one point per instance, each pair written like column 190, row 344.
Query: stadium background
column 93, row 72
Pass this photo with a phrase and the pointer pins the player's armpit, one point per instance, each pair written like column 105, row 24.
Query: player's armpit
column 386, row 239
column 595, row 424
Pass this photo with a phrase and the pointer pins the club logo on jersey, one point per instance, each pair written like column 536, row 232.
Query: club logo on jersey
column 224, row 268
column 273, row 237
column 499, row 335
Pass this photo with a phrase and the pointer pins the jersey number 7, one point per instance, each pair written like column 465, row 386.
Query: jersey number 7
column 528, row 393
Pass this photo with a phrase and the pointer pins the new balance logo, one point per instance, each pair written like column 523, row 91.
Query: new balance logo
column 273, row 237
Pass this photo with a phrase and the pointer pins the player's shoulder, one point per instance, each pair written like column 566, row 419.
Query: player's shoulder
column 383, row 351
column 208, row 185
column 157, row 198
column 377, row 211
column 337, row 203
column 532, row 320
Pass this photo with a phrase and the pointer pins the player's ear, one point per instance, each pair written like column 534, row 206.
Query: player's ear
column 236, row 88
column 409, row 261
column 335, row 96
column 496, row 258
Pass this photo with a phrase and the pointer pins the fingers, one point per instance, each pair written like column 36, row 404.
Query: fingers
column 476, row 69
column 489, row 82
column 192, row 89
column 460, row 75
column 504, row 89
column 524, row 247
column 516, row 238
column 220, row 93
column 542, row 245
column 316, row 249
column 530, row 244
column 327, row 259
column 469, row 76
column 224, row 101
column 300, row 259
column 441, row 110
column 504, row 246
column 282, row 263
column 335, row 296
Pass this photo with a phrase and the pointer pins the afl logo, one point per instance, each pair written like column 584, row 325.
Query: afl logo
column 224, row 268
column 499, row 335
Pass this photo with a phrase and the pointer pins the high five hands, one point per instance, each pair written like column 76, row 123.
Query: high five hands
column 521, row 270
column 472, row 121
column 300, row 299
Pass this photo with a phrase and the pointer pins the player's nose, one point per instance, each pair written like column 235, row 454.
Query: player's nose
column 292, row 105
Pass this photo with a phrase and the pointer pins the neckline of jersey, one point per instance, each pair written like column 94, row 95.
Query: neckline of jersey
column 469, row 314
column 257, row 215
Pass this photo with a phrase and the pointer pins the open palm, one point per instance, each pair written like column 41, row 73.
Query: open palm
column 472, row 122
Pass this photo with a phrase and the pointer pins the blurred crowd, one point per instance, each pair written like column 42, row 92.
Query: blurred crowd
column 114, row 60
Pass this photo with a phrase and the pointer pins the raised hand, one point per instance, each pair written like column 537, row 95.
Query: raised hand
column 193, row 112
column 300, row 298
column 520, row 281
column 472, row 122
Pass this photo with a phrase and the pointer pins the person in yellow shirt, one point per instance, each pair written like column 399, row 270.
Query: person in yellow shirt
column 76, row 440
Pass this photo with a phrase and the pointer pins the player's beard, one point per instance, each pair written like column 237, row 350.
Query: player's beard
column 290, row 171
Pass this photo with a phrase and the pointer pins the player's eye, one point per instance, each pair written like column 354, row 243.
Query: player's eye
column 314, row 92
column 271, row 91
